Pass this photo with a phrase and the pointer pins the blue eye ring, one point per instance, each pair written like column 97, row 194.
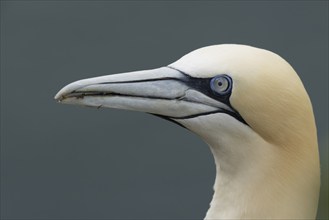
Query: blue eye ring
column 221, row 84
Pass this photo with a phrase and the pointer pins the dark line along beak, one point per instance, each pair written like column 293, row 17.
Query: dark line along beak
column 164, row 91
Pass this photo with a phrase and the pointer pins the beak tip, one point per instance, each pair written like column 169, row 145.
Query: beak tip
column 60, row 96
column 59, row 100
column 57, row 97
column 68, row 89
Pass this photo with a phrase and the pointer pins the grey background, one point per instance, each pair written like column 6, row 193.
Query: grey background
column 61, row 161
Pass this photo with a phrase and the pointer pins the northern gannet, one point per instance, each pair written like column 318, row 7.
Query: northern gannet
column 250, row 107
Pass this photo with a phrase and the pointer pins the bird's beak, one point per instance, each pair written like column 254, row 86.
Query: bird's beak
column 164, row 91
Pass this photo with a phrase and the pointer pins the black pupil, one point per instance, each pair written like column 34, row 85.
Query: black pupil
column 220, row 83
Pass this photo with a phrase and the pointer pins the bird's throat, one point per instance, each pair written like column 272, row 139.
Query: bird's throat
column 241, row 182
column 254, row 178
column 254, row 181
column 244, row 162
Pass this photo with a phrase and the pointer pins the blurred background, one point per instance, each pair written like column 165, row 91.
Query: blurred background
column 64, row 162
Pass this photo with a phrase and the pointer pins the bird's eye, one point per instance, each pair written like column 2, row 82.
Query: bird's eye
column 221, row 84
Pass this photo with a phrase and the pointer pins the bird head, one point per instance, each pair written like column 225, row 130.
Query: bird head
column 224, row 84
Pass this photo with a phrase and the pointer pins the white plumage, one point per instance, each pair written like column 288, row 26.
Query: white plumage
column 249, row 106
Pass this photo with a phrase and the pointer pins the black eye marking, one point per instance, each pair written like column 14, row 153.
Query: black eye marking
column 218, row 87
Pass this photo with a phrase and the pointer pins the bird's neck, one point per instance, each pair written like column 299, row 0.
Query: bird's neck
column 257, row 184
column 243, row 178
column 256, row 179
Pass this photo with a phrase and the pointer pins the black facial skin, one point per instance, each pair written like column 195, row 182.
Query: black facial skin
column 203, row 85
